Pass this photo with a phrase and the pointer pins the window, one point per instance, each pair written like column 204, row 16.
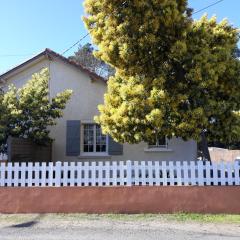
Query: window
column 94, row 142
column 160, row 142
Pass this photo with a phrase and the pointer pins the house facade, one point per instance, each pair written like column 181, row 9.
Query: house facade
column 76, row 136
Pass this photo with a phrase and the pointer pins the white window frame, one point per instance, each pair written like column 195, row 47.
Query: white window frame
column 94, row 153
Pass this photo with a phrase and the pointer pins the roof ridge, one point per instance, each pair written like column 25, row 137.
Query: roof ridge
column 50, row 52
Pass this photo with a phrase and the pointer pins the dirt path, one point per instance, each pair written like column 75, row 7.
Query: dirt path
column 73, row 227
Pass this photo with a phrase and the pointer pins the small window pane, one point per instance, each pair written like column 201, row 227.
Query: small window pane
column 101, row 140
column 88, row 139
column 103, row 148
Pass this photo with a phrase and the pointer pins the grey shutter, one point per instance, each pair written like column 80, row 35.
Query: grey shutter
column 73, row 138
column 114, row 148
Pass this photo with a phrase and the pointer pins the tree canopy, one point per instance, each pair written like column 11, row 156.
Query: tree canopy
column 86, row 58
column 174, row 76
column 27, row 112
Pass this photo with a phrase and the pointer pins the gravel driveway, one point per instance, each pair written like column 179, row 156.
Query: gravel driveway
column 74, row 227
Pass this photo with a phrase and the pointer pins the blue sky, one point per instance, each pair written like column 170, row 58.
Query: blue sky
column 27, row 26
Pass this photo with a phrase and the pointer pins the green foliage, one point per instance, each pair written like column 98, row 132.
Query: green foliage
column 85, row 57
column 28, row 111
column 213, row 71
column 174, row 76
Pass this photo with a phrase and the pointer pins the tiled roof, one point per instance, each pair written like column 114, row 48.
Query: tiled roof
column 50, row 53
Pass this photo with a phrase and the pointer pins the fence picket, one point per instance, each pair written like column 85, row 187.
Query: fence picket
column 222, row 172
column 3, row 169
column 9, row 175
column 193, row 173
column 30, row 177
column 215, row 174
column 23, row 174
column 230, row 174
column 185, row 174
column 50, row 174
column 164, row 173
column 86, row 174
column 150, row 173
column 143, row 173
column 58, row 174
column 236, row 173
column 114, row 173
column 15, row 172
column 100, row 174
column 121, row 169
column 129, row 173
column 44, row 173
column 65, row 180
column 208, row 173
column 106, row 174
column 36, row 170
column 156, row 168
column 171, row 174
column 179, row 173
column 72, row 174
column 93, row 174
column 136, row 173
column 200, row 173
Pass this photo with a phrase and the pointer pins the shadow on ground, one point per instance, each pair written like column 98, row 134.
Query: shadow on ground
column 28, row 223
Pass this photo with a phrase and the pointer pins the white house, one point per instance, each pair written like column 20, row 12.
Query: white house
column 76, row 136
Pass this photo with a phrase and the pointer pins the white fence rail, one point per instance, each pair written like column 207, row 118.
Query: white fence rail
column 124, row 173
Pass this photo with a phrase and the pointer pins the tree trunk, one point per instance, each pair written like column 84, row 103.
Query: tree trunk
column 203, row 147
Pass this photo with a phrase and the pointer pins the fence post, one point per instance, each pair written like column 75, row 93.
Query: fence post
column 129, row 173
column 58, row 174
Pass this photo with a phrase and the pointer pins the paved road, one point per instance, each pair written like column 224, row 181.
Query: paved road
column 45, row 228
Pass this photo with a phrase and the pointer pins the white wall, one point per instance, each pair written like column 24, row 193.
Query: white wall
column 83, row 106
column 22, row 77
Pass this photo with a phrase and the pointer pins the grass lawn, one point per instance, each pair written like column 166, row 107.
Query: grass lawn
column 205, row 218
column 178, row 217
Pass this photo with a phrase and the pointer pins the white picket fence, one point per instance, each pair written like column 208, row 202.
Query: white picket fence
column 124, row 173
